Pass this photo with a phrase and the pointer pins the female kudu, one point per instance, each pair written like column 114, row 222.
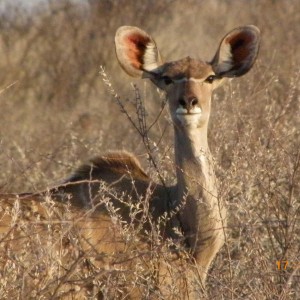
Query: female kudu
column 192, row 205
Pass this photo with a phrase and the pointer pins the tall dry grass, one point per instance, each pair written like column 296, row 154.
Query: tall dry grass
column 56, row 112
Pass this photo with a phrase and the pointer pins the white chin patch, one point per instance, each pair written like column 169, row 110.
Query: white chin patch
column 189, row 120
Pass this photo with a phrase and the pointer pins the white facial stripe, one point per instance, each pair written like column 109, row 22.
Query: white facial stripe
column 185, row 79
column 190, row 79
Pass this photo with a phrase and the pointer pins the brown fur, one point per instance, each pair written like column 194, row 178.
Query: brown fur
column 121, row 173
column 28, row 222
column 113, row 189
column 32, row 227
column 121, row 162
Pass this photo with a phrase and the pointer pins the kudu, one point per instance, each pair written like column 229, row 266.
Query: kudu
column 193, row 204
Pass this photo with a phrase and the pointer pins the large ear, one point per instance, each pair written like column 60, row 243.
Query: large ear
column 136, row 51
column 237, row 52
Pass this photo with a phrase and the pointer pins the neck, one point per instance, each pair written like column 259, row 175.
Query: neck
column 193, row 162
column 202, row 213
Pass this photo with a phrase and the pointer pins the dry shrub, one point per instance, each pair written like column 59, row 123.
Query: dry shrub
column 56, row 111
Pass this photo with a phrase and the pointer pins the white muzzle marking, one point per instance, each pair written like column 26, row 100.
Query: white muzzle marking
column 189, row 119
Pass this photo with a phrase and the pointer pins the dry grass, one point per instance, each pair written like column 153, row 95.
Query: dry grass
column 56, row 112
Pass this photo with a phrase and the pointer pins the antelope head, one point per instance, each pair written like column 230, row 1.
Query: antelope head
column 188, row 82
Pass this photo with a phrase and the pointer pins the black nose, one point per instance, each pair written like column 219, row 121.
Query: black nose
column 182, row 103
column 188, row 103
column 193, row 101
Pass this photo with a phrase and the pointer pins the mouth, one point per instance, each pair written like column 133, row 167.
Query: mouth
column 183, row 112
column 190, row 119
column 188, row 114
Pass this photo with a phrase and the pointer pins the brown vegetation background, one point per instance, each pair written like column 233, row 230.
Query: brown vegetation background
column 56, row 112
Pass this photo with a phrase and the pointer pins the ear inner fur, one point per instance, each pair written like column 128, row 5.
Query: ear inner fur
column 136, row 51
column 240, row 52
column 237, row 52
column 136, row 45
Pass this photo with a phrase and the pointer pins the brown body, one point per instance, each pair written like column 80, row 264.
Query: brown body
column 108, row 211
column 112, row 193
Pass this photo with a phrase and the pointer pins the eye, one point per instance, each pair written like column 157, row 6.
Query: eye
column 210, row 78
column 167, row 80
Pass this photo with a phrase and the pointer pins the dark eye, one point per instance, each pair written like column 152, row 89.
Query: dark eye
column 167, row 80
column 210, row 78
